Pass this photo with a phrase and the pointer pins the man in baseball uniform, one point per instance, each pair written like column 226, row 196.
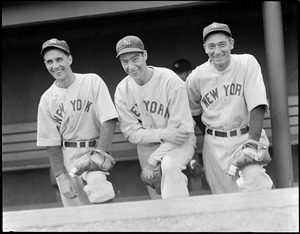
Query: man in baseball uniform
column 76, row 116
column 230, row 93
column 154, row 113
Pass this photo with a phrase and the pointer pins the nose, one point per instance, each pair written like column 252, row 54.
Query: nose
column 130, row 65
column 55, row 65
column 217, row 49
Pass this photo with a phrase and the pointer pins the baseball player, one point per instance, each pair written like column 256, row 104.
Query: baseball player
column 230, row 93
column 154, row 113
column 76, row 122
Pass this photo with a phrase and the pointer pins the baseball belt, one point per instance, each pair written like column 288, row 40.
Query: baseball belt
column 240, row 131
column 79, row 144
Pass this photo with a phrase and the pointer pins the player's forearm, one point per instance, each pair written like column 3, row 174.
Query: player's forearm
column 256, row 122
column 144, row 136
column 200, row 124
column 160, row 152
column 56, row 160
column 106, row 135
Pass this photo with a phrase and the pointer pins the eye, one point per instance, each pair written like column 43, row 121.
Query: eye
column 59, row 59
column 49, row 62
column 223, row 44
column 210, row 46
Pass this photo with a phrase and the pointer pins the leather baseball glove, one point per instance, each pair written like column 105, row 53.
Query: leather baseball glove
column 250, row 152
column 93, row 160
column 154, row 179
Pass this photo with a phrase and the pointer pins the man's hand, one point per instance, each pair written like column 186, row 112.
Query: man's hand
column 66, row 187
column 154, row 179
column 174, row 135
column 148, row 171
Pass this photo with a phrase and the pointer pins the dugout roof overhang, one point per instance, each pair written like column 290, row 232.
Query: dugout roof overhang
column 24, row 13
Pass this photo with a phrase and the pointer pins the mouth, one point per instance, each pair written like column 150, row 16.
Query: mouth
column 219, row 58
column 134, row 73
column 57, row 73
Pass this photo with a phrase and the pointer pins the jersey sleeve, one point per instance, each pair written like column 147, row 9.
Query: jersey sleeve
column 255, row 90
column 104, row 108
column 179, row 110
column 47, row 131
column 130, row 126
column 194, row 95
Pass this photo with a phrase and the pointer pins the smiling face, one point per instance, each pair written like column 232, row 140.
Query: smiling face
column 218, row 47
column 58, row 64
column 134, row 64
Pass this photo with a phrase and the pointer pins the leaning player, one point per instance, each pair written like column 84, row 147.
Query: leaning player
column 230, row 93
column 76, row 122
column 154, row 113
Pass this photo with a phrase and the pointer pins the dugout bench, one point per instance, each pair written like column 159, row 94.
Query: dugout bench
column 19, row 150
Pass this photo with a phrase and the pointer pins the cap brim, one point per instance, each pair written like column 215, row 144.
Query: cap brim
column 129, row 50
column 216, row 30
column 53, row 46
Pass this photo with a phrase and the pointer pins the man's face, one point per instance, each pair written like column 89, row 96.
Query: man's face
column 58, row 63
column 134, row 64
column 218, row 47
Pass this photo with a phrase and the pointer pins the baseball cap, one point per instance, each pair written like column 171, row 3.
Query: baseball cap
column 215, row 27
column 129, row 44
column 56, row 44
column 181, row 65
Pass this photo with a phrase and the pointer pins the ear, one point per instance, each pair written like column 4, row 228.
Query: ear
column 70, row 59
column 231, row 43
column 145, row 55
column 204, row 47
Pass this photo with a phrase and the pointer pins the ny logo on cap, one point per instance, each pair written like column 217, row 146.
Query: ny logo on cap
column 53, row 41
column 126, row 42
column 215, row 25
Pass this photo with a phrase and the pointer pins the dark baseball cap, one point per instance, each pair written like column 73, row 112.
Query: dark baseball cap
column 216, row 27
column 55, row 43
column 181, row 65
column 129, row 44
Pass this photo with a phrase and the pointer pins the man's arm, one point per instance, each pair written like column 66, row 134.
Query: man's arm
column 56, row 160
column 106, row 135
column 59, row 171
column 256, row 122
column 200, row 124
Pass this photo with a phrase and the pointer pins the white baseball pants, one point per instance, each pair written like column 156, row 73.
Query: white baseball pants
column 174, row 182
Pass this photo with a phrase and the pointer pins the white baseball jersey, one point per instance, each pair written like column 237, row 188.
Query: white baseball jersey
column 75, row 113
column 227, row 97
column 161, row 102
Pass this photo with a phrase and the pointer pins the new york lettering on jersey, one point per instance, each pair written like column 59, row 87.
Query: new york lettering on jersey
column 152, row 107
column 77, row 105
column 230, row 90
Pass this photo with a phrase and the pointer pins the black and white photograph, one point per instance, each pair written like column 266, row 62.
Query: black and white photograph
column 150, row 116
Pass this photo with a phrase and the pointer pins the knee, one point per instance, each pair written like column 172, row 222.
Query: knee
column 167, row 165
column 98, row 189
column 254, row 177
